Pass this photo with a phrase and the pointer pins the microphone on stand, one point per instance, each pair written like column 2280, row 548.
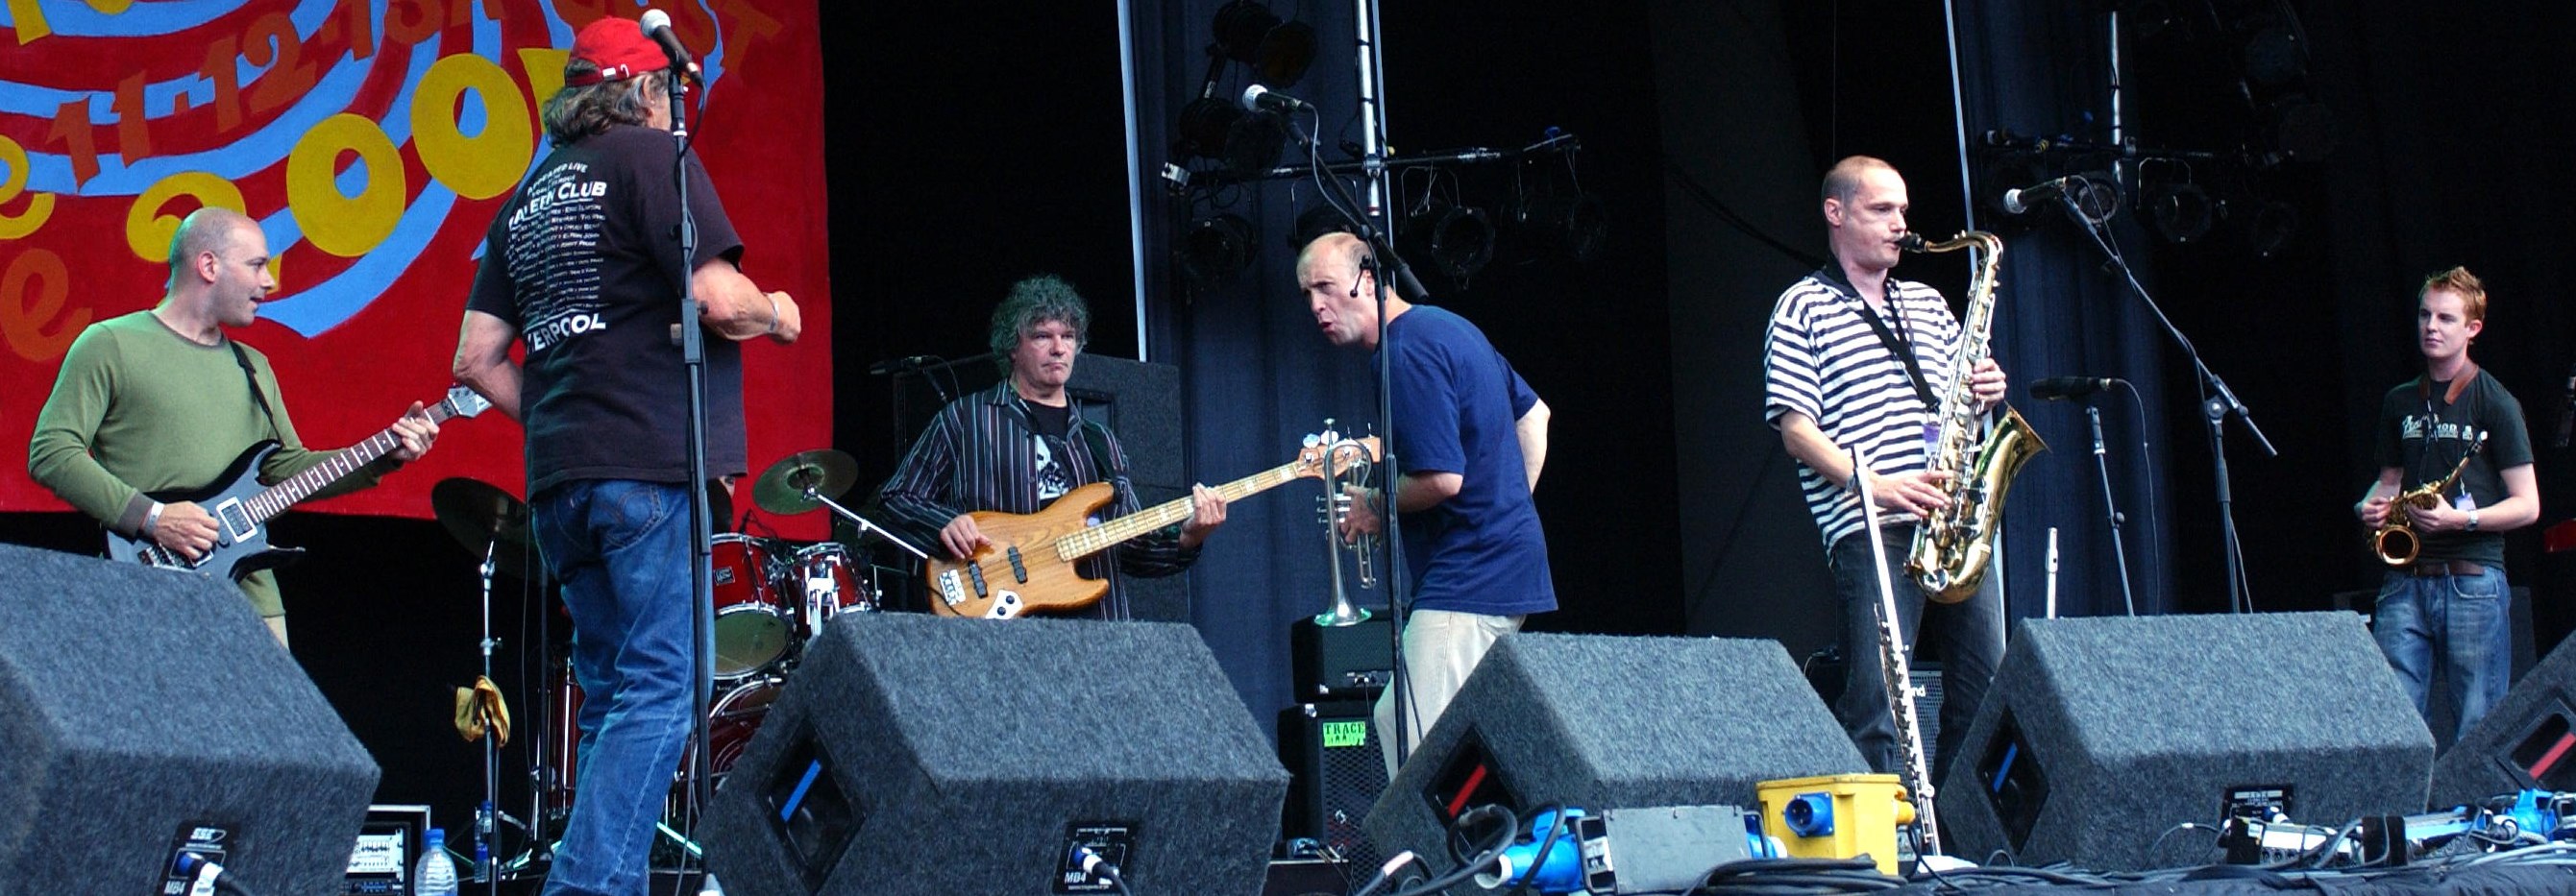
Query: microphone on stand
column 2567, row 417
column 899, row 365
column 2022, row 200
column 2061, row 388
column 1257, row 98
column 656, row 24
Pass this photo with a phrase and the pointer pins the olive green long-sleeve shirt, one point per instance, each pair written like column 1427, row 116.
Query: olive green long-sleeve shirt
column 140, row 409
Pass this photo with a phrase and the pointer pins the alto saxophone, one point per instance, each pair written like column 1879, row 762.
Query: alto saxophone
column 1953, row 549
column 2396, row 542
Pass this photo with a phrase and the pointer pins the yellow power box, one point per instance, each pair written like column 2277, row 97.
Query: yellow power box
column 1837, row 816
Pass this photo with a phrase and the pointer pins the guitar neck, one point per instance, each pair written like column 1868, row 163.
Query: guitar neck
column 294, row 489
column 1106, row 535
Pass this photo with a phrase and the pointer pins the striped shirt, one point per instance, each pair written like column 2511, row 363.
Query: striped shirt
column 1822, row 359
column 982, row 453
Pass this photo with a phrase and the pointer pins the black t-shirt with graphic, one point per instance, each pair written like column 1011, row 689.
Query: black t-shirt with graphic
column 584, row 261
column 1053, row 475
column 2425, row 436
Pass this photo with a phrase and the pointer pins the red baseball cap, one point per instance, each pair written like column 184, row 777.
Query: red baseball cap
column 617, row 48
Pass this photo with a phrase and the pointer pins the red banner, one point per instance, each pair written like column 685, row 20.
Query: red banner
column 373, row 141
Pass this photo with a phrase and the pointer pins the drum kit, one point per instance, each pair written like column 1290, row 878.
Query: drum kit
column 772, row 596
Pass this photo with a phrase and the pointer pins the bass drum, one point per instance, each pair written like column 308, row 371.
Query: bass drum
column 731, row 722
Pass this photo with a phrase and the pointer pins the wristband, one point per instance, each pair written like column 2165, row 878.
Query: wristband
column 2473, row 519
column 773, row 315
column 152, row 519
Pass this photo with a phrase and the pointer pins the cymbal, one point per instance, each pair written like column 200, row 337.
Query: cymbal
column 781, row 488
column 480, row 514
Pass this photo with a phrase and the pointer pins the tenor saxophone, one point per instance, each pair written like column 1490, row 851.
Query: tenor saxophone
column 1954, row 549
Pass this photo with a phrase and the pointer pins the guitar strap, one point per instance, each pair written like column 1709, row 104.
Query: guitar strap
column 252, row 377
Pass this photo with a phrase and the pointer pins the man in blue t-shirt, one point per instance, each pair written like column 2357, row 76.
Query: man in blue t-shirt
column 1471, row 437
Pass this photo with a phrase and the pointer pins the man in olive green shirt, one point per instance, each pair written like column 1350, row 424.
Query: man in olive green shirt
column 161, row 399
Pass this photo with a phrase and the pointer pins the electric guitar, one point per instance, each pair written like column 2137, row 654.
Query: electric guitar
column 1030, row 563
column 242, row 507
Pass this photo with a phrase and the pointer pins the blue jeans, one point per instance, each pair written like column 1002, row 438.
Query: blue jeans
column 2460, row 620
column 621, row 550
column 1970, row 633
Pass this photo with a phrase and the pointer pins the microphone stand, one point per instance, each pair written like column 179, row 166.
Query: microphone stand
column 1387, row 267
column 693, row 357
column 2217, row 404
column 2110, row 505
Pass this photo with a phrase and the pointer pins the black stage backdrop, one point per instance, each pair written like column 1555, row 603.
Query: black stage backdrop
column 972, row 144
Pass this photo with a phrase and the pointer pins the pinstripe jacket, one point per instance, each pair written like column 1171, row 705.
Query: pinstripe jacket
column 980, row 453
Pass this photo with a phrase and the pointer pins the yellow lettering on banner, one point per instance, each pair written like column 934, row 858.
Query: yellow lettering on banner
column 343, row 225
column 110, row 7
column 486, row 164
column 40, row 206
column 148, row 231
column 31, row 21
column 22, row 322
column 544, row 66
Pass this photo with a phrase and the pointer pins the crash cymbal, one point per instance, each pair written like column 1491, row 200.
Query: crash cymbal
column 782, row 487
column 480, row 514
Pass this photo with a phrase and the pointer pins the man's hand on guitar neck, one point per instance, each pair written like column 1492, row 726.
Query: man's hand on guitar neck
column 1207, row 511
column 183, row 527
column 413, row 434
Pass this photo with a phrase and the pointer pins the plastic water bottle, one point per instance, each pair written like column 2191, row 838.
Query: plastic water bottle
column 436, row 875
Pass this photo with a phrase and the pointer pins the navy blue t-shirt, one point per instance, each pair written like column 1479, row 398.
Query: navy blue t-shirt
column 1456, row 405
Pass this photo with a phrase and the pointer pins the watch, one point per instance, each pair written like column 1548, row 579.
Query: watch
column 2473, row 519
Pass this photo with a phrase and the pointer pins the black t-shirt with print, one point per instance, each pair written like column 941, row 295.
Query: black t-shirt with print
column 584, row 262
column 2425, row 436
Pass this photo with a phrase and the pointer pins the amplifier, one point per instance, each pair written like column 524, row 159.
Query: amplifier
column 1341, row 662
column 1336, row 771
column 388, row 848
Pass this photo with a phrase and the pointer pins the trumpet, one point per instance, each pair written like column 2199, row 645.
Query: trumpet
column 1348, row 463
column 2395, row 540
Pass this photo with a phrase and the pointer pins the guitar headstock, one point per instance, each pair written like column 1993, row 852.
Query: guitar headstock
column 464, row 402
column 1329, row 455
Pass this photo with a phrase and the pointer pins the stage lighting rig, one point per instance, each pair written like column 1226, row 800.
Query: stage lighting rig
column 1457, row 240
column 1215, row 249
column 1278, row 52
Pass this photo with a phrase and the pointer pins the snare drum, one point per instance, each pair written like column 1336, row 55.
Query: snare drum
column 754, row 625
column 831, row 584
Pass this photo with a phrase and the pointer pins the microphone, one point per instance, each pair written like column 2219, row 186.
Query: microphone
column 2021, row 201
column 2060, row 388
column 657, row 25
column 897, row 365
column 1257, row 98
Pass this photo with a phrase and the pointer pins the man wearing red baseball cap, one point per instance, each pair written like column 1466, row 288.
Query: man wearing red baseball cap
column 582, row 265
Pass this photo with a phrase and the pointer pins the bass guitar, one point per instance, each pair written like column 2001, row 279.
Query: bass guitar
column 242, row 507
column 1030, row 563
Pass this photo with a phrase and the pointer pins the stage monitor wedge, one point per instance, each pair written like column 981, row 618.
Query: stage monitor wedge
column 926, row 755
column 142, row 709
column 2527, row 741
column 1608, row 722
column 2101, row 734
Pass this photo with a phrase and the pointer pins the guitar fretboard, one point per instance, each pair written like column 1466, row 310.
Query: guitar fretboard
column 1101, row 537
column 277, row 498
